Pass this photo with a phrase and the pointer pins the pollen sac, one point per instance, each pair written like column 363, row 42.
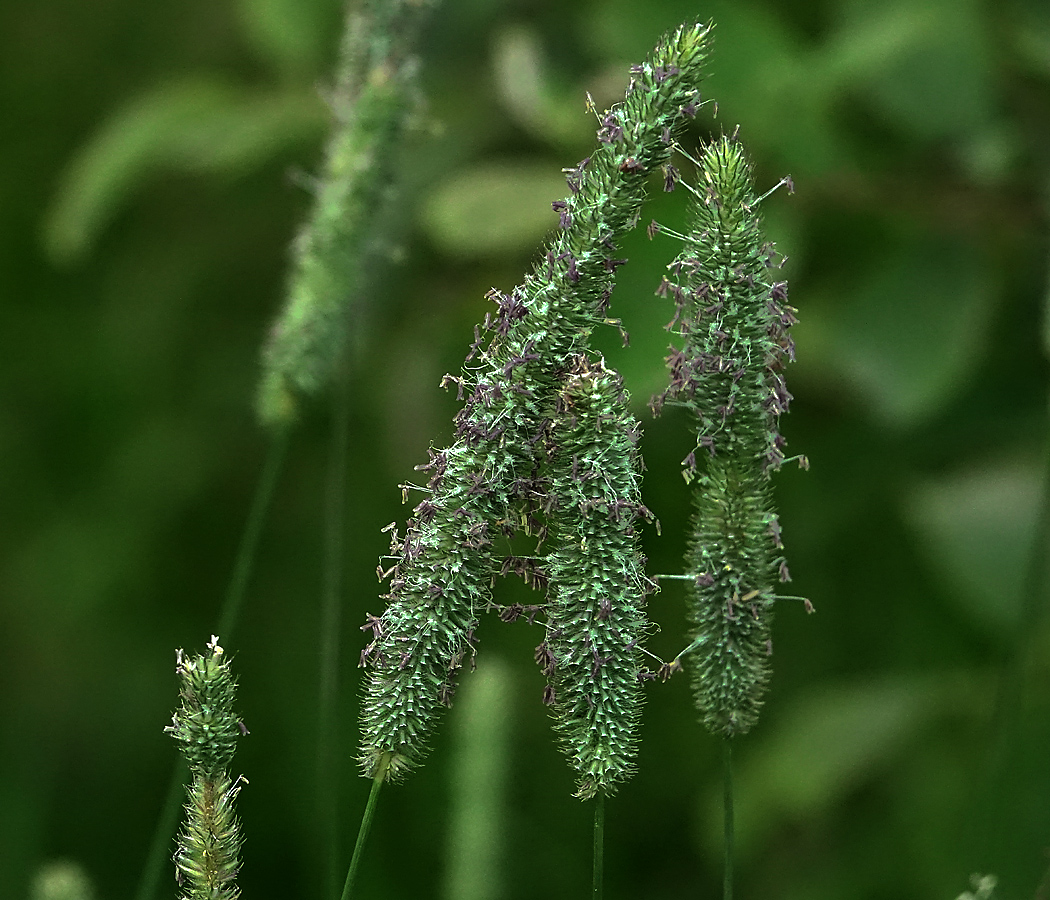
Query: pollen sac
column 729, row 373
column 597, row 590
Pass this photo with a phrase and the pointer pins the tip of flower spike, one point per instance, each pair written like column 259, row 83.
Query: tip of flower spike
column 205, row 725
column 691, row 41
column 276, row 405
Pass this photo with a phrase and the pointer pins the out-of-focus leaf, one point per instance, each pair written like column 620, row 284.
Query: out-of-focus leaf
column 977, row 528
column 62, row 879
column 990, row 153
column 1033, row 38
column 482, row 731
column 909, row 337
column 925, row 65
column 524, row 85
column 198, row 125
column 494, row 209
column 872, row 36
column 88, row 554
column 822, row 749
column 294, row 35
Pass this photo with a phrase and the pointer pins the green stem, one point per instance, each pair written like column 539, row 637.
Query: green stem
column 366, row 824
column 331, row 622
column 242, row 567
column 1014, row 690
column 727, row 801
column 599, row 846
column 168, row 820
column 159, row 850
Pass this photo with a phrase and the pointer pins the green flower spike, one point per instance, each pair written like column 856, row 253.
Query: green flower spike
column 372, row 102
column 596, row 615
column 735, row 321
column 488, row 481
column 208, row 856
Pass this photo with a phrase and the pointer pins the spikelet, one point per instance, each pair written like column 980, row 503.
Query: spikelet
column 735, row 320
column 372, row 103
column 596, row 615
column 207, row 859
column 487, row 482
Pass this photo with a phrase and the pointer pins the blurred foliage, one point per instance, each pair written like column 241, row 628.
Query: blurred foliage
column 146, row 211
column 61, row 880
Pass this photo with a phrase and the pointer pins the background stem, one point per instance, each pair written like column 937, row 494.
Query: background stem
column 242, row 566
column 727, row 802
column 327, row 789
column 599, row 846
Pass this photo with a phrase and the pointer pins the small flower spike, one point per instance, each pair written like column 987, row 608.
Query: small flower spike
column 207, row 859
column 730, row 374
column 596, row 616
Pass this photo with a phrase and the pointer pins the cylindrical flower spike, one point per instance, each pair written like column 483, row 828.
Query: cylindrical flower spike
column 596, row 616
column 207, row 859
column 735, row 320
column 372, row 102
column 486, row 482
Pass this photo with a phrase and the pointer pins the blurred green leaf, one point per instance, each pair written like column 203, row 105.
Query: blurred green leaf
column 977, row 528
column 927, row 66
column 823, row 748
column 528, row 93
column 494, row 209
column 1033, row 39
column 62, row 880
column 293, row 35
column 482, row 729
column 195, row 125
column 911, row 335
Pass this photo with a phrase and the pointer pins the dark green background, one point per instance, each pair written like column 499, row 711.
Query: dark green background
column 149, row 195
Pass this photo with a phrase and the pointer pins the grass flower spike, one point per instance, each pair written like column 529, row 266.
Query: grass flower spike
column 735, row 321
column 208, row 856
column 487, row 483
column 597, row 582
column 372, row 102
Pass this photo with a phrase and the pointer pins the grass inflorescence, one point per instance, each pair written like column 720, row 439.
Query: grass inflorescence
column 734, row 318
column 207, row 860
column 491, row 482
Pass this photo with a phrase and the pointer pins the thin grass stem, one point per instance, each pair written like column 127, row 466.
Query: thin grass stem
column 168, row 819
column 599, row 846
column 727, row 805
column 159, row 849
column 242, row 567
column 327, row 789
column 366, row 824
column 993, row 797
